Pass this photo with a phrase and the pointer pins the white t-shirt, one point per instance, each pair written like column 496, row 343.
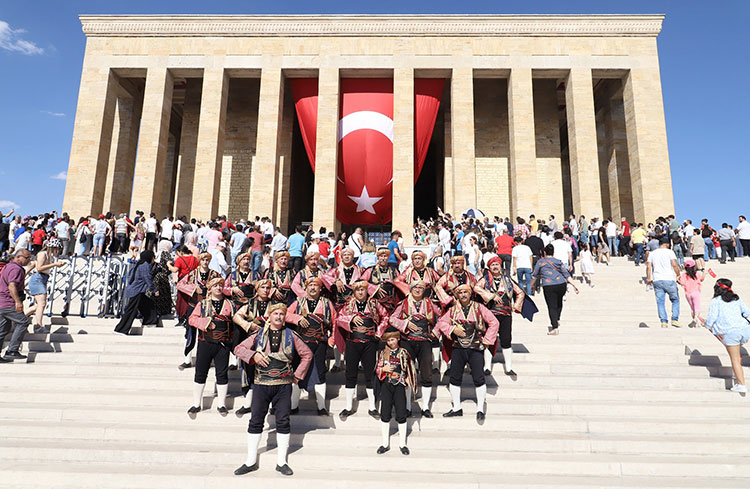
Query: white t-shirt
column 166, row 229
column 354, row 241
column 101, row 227
column 22, row 242
column 743, row 230
column 661, row 263
column 611, row 229
column 266, row 228
column 151, row 225
column 522, row 254
column 445, row 239
column 63, row 230
column 176, row 236
column 562, row 248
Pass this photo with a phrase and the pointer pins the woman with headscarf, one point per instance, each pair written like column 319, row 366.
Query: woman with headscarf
column 139, row 291
column 161, row 277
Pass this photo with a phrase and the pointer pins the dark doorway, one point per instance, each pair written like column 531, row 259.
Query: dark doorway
column 428, row 191
column 302, row 183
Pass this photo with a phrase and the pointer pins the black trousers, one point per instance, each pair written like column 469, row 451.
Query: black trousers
column 506, row 330
column 392, row 395
column 137, row 303
column 745, row 247
column 553, row 296
column 726, row 249
column 278, row 396
column 507, row 260
column 150, row 241
column 625, row 246
column 421, row 353
column 219, row 354
column 319, row 350
column 356, row 353
column 459, row 358
column 296, row 262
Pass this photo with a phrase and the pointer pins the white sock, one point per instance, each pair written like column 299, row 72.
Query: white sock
column 401, row 435
column 371, row 398
column 336, row 357
column 198, row 394
column 409, row 393
column 481, row 396
column 189, row 358
column 350, row 398
column 508, row 356
column 222, row 393
column 385, row 432
column 455, row 391
column 232, row 360
column 425, row 402
column 295, row 396
column 283, row 445
column 436, row 357
column 488, row 359
column 253, row 441
column 248, row 399
column 320, row 395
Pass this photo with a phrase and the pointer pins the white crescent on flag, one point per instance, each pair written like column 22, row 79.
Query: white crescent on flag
column 366, row 119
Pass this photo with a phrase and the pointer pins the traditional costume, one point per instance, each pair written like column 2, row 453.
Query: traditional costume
column 320, row 316
column 446, row 286
column 213, row 319
column 381, row 280
column 193, row 287
column 480, row 327
column 308, row 272
column 501, row 295
column 272, row 386
column 359, row 344
column 348, row 276
column 243, row 280
column 411, row 274
column 281, row 280
column 394, row 387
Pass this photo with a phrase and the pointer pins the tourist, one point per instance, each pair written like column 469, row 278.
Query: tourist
column 356, row 243
column 638, row 242
column 272, row 350
column 45, row 261
column 662, row 271
column 522, row 264
column 256, row 248
column 707, row 233
column 279, row 241
column 367, row 258
column 504, row 248
column 692, row 281
column 587, row 264
column 62, row 231
column 152, row 227
column 139, row 291
column 471, row 328
column 357, row 323
column 12, row 317
column 553, row 277
column 474, row 256
column 23, row 239
column 296, row 249
column 563, row 250
column 162, row 280
column 743, row 235
column 678, row 246
column 212, row 317
column 237, row 245
column 122, row 226
column 395, row 370
column 218, row 260
column 437, row 260
column 727, row 243
column 611, row 233
column 697, row 248
column 313, row 317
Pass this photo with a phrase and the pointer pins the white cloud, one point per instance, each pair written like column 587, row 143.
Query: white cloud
column 10, row 40
column 53, row 114
column 8, row 204
column 60, row 176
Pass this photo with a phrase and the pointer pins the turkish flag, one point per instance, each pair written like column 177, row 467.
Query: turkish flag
column 365, row 138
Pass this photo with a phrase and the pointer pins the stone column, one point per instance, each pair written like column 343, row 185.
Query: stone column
column 582, row 143
column 326, row 150
column 620, row 188
column 403, row 149
column 462, row 145
column 448, row 180
column 149, row 182
column 285, row 163
column 548, row 155
column 265, row 167
column 210, row 146
column 92, row 140
column 119, row 186
column 647, row 145
column 188, row 146
column 523, row 174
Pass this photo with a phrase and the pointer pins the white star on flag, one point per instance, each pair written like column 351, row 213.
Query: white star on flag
column 365, row 202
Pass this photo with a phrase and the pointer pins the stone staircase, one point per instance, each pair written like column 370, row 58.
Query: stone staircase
column 613, row 401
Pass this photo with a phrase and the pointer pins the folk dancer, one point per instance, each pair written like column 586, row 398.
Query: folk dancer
column 239, row 287
column 281, row 277
column 311, row 269
column 356, row 335
column 457, row 275
column 250, row 318
column 213, row 319
column 272, row 350
column 381, row 279
column 193, row 287
column 313, row 317
column 395, row 370
column 468, row 328
column 415, row 317
column 502, row 296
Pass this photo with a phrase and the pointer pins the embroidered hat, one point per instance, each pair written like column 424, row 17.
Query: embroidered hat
column 214, row 282
column 275, row 307
column 361, row 284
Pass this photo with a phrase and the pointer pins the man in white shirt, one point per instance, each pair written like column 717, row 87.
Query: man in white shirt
column 279, row 242
column 612, row 237
column 236, row 242
column 662, row 271
column 743, row 234
column 563, row 250
column 687, row 229
column 444, row 237
column 356, row 243
column 522, row 264
column 218, row 261
column 166, row 228
column 151, row 228
column 266, row 228
column 62, row 229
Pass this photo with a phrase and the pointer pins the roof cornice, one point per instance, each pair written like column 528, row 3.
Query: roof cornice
column 371, row 25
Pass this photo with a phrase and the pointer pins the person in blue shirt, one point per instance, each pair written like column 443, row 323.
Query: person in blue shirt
column 458, row 238
column 296, row 249
column 395, row 257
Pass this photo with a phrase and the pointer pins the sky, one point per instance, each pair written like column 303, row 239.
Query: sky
column 703, row 50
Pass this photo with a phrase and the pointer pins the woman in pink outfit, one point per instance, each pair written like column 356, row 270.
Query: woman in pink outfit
column 691, row 281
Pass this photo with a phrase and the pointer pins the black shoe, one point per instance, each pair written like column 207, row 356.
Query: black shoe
column 223, row 410
column 452, row 413
column 487, row 372
column 382, row 450
column 374, row 413
column 5, row 360
column 345, row 413
column 14, row 355
column 185, row 365
column 294, row 411
column 435, row 371
column 233, row 367
column 272, row 410
column 322, row 412
column 512, row 374
column 284, row 469
column 409, row 414
column 242, row 411
column 480, row 417
column 193, row 411
column 335, row 369
column 404, row 450
column 244, row 469
column 427, row 414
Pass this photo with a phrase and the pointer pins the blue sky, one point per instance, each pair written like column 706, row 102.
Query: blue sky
column 703, row 50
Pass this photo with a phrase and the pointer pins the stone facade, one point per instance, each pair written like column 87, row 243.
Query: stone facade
column 528, row 127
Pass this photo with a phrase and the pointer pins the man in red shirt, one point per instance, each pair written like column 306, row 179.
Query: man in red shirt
column 257, row 250
column 37, row 239
column 625, row 239
column 504, row 249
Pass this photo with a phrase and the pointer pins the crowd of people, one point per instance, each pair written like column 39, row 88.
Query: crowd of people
column 281, row 308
